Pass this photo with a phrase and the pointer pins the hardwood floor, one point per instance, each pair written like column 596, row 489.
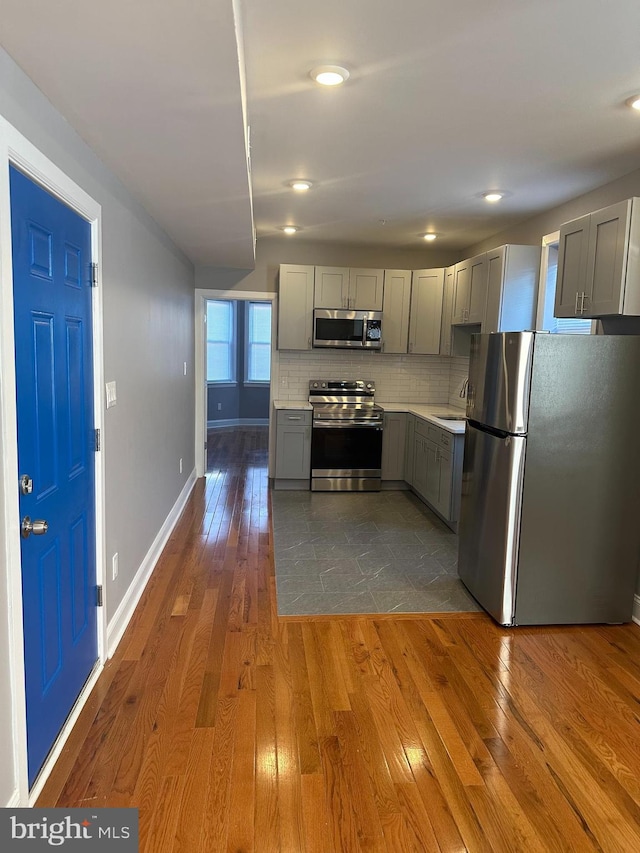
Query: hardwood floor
column 231, row 729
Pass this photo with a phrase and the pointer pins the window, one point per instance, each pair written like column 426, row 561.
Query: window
column 546, row 321
column 258, row 342
column 221, row 344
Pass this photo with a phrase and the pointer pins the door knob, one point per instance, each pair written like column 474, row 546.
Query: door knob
column 38, row 528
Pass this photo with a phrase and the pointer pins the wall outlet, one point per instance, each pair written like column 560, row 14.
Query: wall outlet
column 219, row 407
column 181, row 465
column 114, row 566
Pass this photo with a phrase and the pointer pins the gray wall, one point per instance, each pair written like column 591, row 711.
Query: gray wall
column 531, row 231
column 148, row 334
column 240, row 401
column 273, row 251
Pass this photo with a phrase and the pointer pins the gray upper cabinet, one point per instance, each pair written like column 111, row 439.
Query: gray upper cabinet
column 425, row 321
column 331, row 287
column 365, row 289
column 572, row 266
column 295, row 307
column 395, row 311
column 355, row 289
column 470, row 291
column 512, row 285
column 447, row 310
column 599, row 263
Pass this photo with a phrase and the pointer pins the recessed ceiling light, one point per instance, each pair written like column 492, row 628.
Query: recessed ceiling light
column 290, row 229
column 329, row 75
column 634, row 102
column 429, row 236
column 493, row 196
column 300, row 186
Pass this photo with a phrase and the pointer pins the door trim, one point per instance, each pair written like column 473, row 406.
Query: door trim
column 201, row 296
column 16, row 150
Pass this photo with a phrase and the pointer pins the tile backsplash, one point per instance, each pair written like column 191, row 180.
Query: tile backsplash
column 428, row 379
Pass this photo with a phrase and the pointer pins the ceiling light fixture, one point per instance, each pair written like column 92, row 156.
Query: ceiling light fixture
column 493, row 196
column 634, row 102
column 300, row 186
column 429, row 236
column 329, row 75
column 290, row 229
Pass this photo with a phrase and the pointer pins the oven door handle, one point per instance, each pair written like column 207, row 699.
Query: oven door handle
column 347, row 424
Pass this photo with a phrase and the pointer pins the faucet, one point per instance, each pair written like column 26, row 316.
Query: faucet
column 463, row 390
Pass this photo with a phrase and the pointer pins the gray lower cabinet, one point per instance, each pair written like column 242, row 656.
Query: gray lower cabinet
column 436, row 473
column 293, row 449
column 409, row 449
column 393, row 445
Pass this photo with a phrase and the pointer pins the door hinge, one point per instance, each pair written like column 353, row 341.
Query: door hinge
column 97, row 440
column 99, row 596
column 94, row 275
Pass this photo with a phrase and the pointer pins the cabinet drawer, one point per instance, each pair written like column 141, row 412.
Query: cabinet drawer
column 422, row 428
column 294, row 416
column 445, row 439
column 433, row 432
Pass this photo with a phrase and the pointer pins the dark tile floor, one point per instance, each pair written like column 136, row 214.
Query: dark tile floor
column 381, row 552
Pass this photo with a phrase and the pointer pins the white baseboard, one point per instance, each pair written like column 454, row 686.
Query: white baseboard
column 238, row 422
column 636, row 609
column 121, row 618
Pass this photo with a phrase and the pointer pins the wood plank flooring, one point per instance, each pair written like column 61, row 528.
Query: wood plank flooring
column 233, row 730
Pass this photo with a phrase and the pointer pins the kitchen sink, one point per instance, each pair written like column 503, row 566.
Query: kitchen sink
column 450, row 417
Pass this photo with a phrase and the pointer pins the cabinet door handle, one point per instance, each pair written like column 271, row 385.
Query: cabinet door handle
column 575, row 307
column 294, row 418
column 309, row 342
column 583, row 297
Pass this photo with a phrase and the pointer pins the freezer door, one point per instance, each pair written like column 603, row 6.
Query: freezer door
column 499, row 380
column 490, row 519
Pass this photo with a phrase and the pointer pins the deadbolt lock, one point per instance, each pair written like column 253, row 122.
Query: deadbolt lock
column 26, row 484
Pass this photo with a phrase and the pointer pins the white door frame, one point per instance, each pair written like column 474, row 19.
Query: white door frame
column 16, row 150
column 201, row 297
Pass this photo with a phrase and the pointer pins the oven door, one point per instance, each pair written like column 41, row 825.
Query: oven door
column 346, row 456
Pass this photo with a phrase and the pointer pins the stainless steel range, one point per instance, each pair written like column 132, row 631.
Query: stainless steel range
column 346, row 440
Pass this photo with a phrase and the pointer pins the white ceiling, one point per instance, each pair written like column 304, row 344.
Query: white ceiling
column 446, row 98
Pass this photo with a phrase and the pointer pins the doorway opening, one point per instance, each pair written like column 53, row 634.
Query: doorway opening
column 235, row 335
column 238, row 379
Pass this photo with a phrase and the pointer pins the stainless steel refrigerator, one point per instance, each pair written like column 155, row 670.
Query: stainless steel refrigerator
column 550, row 515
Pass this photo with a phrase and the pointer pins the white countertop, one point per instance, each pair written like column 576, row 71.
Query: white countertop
column 427, row 413
column 305, row 405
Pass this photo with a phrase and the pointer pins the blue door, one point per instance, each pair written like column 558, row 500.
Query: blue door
column 52, row 303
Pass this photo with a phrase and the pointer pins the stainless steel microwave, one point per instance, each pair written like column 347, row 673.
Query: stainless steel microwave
column 341, row 328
